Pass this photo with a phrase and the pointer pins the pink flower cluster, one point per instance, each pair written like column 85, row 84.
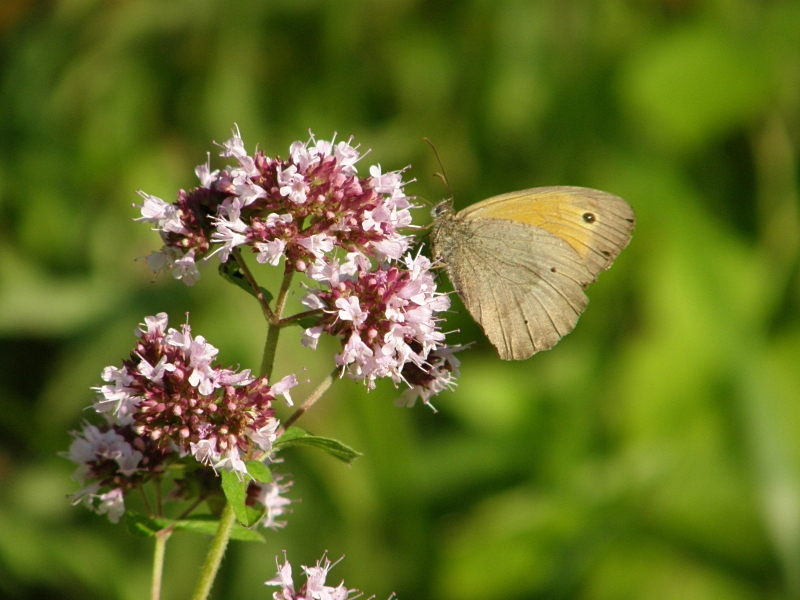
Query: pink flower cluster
column 314, row 588
column 385, row 317
column 169, row 401
column 299, row 209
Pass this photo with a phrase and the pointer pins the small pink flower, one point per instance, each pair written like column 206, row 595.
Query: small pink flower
column 350, row 310
column 283, row 387
column 318, row 244
column 111, row 461
column 314, row 588
column 292, row 184
column 112, row 504
column 204, row 173
column 283, row 579
column 266, row 436
column 310, row 337
column 270, row 252
column 185, row 269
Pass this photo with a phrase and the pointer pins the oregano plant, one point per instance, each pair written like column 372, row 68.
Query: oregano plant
column 173, row 426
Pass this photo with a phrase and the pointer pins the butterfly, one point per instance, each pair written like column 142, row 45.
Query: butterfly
column 521, row 261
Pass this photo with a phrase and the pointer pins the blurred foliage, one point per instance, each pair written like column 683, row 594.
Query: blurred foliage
column 654, row 453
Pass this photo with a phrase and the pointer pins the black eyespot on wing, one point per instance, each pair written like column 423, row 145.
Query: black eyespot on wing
column 589, row 217
column 552, row 269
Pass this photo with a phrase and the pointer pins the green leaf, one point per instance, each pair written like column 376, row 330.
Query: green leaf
column 202, row 524
column 236, row 493
column 253, row 515
column 207, row 525
column 289, row 436
column 259, row 471
column 233, row 273
column 294, row 436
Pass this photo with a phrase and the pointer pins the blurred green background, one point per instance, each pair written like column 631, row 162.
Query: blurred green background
column 653, row 454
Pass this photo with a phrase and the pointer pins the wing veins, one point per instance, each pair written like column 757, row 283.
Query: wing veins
column 536, row 292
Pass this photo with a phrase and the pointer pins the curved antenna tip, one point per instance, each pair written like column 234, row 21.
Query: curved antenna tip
column 442, row 175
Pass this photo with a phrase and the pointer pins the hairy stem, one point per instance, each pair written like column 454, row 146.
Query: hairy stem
column 158, row 563
column 274, row 329
column 215, row 553
column 302, row 315
column 310, row 401
column 254, row 285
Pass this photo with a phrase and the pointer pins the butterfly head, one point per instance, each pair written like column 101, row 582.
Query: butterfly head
column 442, row 209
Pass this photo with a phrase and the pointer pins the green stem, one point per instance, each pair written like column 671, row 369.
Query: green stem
column 158, row 563
column 215, row 553
column 262, row 301
column 302, row 315
column 189, row 510
column 274, row 329
column 310, row 401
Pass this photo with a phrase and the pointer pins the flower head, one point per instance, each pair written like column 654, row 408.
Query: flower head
column 170, row 400
column 314, row 588
column 386, row 318
column 300, row 209
column 170, row 391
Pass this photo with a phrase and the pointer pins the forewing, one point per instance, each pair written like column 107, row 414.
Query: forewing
column 597, row 225
column 522, row 284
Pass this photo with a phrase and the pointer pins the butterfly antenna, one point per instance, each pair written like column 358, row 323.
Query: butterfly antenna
column 442, row 175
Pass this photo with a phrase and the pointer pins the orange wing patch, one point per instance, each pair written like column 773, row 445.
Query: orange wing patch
column 553, row 211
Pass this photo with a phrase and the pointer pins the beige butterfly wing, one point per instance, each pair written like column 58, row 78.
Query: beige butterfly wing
column 521, row 261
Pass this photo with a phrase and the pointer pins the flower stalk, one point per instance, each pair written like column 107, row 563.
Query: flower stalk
column 161, row 538
column 275, row 326
column 215, row 553
column 310, row 401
